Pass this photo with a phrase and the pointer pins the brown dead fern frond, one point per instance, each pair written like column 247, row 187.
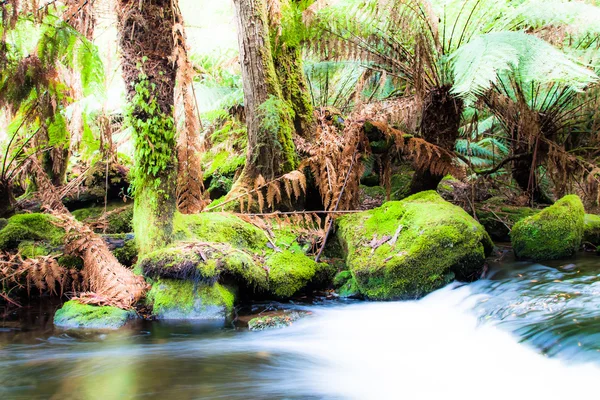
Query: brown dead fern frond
column 103, row 273
column 190, row 186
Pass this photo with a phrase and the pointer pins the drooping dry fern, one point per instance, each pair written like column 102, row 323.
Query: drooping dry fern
column 109, row 281
column 190, row 186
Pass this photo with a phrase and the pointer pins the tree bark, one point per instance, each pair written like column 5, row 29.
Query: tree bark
column 440, row 123
column 146, row 41
column 289, row 67
column 269, row 118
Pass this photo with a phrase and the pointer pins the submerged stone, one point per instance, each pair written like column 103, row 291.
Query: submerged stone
column 556, row 232
column 345, row 285
column 74, row 315
column 408, row 248
column 180, row 299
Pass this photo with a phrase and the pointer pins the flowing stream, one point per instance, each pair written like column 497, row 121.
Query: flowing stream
column 528, row 331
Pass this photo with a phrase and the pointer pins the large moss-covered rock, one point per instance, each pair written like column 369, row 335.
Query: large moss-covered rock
column 591, row 229
column 183, row 299
column 408, row 248
column 30, row 227
column 205, row 262
column 74, row 315
column 220, row 247
column 556, row 232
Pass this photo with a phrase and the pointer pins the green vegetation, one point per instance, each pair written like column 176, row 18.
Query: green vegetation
column 591, row 229
column 409, row 248
column 74, row 315
column 177, row 299
column 556, row 232
column 30, row 227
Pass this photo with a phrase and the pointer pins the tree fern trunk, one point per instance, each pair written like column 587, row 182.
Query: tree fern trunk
column 269, row 118
column 439, row 125
column 146, row 40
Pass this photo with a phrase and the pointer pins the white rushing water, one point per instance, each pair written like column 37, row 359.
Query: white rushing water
column 428, row 349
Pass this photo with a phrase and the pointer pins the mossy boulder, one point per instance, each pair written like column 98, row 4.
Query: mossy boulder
column 556, row 232
column 118, row 217
column 30, row 227
column 290, row 272
column 183, row 299
column 591, row 229
column 75, row 315
column 219, row 228
column 221, row 247
column 497, row 220
column 408, row 248
column 206, row 262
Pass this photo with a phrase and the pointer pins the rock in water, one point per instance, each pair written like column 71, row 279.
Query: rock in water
column 74, row 315
column 591, row 229
column 178, row 299
column 556, row 232
column 408, row 248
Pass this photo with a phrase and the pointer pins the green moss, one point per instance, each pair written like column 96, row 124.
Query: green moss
column 219, row 228
column 275, row 321
column 556, row 232
column 290, row 272
column 127, row 255
column 29, row 249
column 591, row 229
column 435, row 241
column 70, row 262
column 77, row 315
column 346, row 285
column 206, row 265
column 177, row 299
column 30, row 227
column 498, row 220
column 224, row 163
column 119, row 219
column 400, row 186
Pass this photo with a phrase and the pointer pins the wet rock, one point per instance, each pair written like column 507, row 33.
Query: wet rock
column 276, row 321
column 408, row 248
column 74, row 315
column 179, row 299
column 556, row 232
column 591, row 229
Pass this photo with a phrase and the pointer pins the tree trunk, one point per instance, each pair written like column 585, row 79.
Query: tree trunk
column 269, row 118
column 288, row 64
column 146, row 40
column 440, row 122
column 7, row 199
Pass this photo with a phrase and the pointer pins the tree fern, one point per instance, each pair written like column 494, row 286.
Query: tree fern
column 478, row 64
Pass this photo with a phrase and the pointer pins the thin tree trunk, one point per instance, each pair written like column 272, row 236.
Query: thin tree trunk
column 440, row 123
column 146, row 40
column 269, row 119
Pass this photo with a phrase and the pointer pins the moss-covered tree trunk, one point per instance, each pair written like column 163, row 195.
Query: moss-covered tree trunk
column 288, row 64
column 440, row 123
column 270, row 119
column 146, row 41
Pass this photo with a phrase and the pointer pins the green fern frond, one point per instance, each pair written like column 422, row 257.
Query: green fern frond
column 478, row 64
